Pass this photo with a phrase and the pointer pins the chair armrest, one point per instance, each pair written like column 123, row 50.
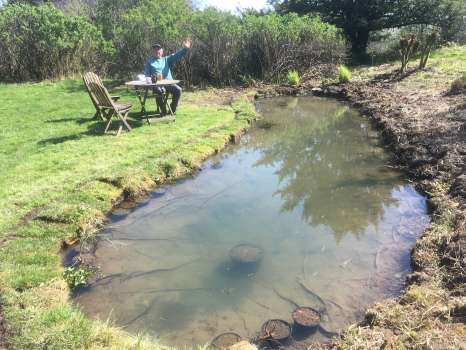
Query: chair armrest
column 115, row 98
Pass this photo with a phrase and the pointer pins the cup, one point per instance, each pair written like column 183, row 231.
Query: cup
column 148, row 80
column 159, row 76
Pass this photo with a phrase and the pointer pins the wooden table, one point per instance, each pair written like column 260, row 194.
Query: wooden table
column 142, row 91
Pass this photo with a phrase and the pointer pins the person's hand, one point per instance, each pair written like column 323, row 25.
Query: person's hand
column 187, row 44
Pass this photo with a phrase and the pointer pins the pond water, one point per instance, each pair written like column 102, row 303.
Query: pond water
column 310, row 185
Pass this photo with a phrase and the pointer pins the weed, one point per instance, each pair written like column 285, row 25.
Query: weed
column 344, row 74
column 293, row 78
column 77, row 276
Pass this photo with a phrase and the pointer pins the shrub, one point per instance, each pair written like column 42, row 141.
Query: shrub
column 293, row 77
column 344, row 74
column 408, row 47
column 274, row 44
column 458, row 86
column 41, row 42
column 428, row 43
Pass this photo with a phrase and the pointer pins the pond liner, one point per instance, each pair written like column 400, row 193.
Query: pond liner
column 225, row 340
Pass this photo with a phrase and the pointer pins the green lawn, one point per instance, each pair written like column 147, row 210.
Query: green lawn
column 58, row 178
column 445, row 65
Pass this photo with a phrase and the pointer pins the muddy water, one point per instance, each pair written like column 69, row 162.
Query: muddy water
column 310, row 185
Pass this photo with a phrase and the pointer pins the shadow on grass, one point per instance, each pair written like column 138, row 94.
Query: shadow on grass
column 95, row 129
column 394, row 76
column 76, row 120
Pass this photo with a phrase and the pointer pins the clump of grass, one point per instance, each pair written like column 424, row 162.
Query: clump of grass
column 344, row 74
column 458, row 86
column 293, row 78
column 77, row 276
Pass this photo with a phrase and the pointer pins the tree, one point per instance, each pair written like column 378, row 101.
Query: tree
column 360, row 17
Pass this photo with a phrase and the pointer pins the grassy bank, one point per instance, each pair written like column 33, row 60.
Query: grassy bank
column 423, row 125
column 60, row 176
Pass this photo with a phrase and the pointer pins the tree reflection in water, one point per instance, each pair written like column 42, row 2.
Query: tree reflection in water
column 323, row 169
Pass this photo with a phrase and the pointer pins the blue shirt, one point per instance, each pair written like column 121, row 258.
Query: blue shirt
column 156, row 66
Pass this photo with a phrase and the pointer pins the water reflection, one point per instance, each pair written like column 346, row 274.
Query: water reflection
column 321, row 152
column 309, row 187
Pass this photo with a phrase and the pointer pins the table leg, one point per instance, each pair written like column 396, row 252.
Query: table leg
column 142, row 99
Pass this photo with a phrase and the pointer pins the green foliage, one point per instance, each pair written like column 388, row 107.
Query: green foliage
column 359, row 17
column 134, row 26
column 274, row 44
column 77, row 276
column 293, row 77
column 39, row 42
column 344, row 74
column 225, row 47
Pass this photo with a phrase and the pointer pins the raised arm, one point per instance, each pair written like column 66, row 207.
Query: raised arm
column 176, row 56
column 181, row 53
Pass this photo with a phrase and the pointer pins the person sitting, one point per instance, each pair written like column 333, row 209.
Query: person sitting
column 159, row 65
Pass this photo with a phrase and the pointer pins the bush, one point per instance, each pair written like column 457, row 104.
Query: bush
column 293, row 77
column 275, row 44
column 134, row 26
column 344, row 74
column 40, row 42
column 458, row 86
column 225, row 47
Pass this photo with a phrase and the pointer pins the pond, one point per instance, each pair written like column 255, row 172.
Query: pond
column 310, row 186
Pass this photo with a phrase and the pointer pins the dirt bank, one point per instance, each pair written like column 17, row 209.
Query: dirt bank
column 424, row 127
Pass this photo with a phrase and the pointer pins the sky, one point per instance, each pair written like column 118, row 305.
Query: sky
column 232, row 5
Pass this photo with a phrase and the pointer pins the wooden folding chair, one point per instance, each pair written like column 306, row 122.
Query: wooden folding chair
column 98, row 113
column 105, row 106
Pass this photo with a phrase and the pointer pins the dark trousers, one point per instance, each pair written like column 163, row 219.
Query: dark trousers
column 175, row 90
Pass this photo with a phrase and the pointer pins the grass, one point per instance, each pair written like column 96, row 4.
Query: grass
column 444, row 65
column 293, row 77
column 59, row 177
column 344, row 74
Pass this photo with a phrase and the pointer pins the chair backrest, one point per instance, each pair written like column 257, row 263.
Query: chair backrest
column 99, row 94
